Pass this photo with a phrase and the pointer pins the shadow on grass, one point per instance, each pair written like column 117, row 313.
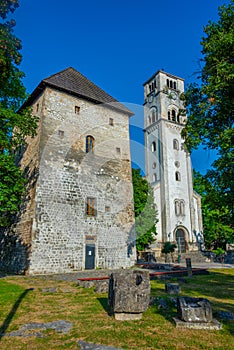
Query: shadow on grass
column 106, row 307
column 11, row 314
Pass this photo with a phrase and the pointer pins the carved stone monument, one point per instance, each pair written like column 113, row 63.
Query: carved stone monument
column 195, row 313
column 129, row 294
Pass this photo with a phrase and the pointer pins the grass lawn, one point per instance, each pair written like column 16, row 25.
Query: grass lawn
column 22, row 301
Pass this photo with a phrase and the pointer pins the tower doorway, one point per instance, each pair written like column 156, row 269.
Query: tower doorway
column 181, row 241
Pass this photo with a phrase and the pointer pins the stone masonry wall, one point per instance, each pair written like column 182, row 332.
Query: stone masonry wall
column 68, row 175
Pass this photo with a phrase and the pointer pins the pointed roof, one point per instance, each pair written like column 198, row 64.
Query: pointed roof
column 71, row 81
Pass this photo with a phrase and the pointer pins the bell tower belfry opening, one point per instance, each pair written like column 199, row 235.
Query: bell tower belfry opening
column 168, row 165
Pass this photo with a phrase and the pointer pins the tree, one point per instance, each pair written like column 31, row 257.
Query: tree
column 217, row 231
column 169, row 248
column 145, row 212
column 15, row 124
column 210, row 106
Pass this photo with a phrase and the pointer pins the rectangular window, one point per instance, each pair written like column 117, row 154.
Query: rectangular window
column 91, row 204
column 61, row 133
column 77, row 109
column 117, row 150
column 107, row 208
column 111, row 121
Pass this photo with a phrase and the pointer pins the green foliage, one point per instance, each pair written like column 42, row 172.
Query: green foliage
column 219, row 251
column 8, row 6
column 216, row 214
column 15, row 125
column 168, row 248
column 145, row 212
column 210, row 105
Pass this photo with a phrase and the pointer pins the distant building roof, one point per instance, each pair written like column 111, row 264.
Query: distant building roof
column 71, row 81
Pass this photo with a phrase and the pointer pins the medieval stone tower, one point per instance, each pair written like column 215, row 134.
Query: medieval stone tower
column 168, row 165
column 78, row 213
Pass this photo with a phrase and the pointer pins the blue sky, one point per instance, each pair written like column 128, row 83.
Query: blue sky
column 117, row 44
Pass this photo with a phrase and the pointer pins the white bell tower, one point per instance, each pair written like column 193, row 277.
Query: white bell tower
column 168, row 165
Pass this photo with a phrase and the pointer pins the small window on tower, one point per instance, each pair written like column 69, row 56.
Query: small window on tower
column 176, row 144
column 173, row 112
column 37, row 107
column 153, row 146
column 89, row 148
column 177, row 176
column 61, row 133
column 117, row 150
column 154, row 177
column 107, row 208
column 77, row 109
column 111, row 121
column 91, row 204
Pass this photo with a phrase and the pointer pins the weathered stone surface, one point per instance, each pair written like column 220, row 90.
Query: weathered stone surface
column 129, row 291
column 213, row 325
column 36, row 329
column 194, row 309
column 172, row 288
column 90, row 346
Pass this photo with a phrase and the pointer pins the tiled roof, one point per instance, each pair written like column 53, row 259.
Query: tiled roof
column 73, row 82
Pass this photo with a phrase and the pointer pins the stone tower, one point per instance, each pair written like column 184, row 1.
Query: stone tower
column 78, row 212
column 168, row 165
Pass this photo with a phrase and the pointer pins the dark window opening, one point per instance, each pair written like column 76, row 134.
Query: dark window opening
column 153, row 146
column 177, row 176
column 111, row 121
column 176, row 144
column 77, row 109
column 173, row 113
column 61, row 133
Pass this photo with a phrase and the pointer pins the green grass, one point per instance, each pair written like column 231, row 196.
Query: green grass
column 88, row 313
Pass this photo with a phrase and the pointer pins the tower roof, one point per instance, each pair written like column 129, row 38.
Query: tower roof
column 163, row 72
column 71, row 81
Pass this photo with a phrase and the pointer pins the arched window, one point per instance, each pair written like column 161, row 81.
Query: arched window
column 182, row 208
column 174, row 85
column 173, row 113
column 176, row 144
column 153, row 116
column 177, row 176
column 168, row 82
column 178, row 118
column 171, row 84
column 89, row 144
column 177, row 207
column 154, row 177
column 149, row 120
column 153, row 146
column 169, row 115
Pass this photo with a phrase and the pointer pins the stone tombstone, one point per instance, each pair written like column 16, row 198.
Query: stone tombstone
column 172, row 288
column 189, row 266
column 194, row 309
column 129, row 294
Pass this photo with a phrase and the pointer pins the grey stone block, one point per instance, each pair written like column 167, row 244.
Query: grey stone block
column 129, row 291
column 194, row 309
